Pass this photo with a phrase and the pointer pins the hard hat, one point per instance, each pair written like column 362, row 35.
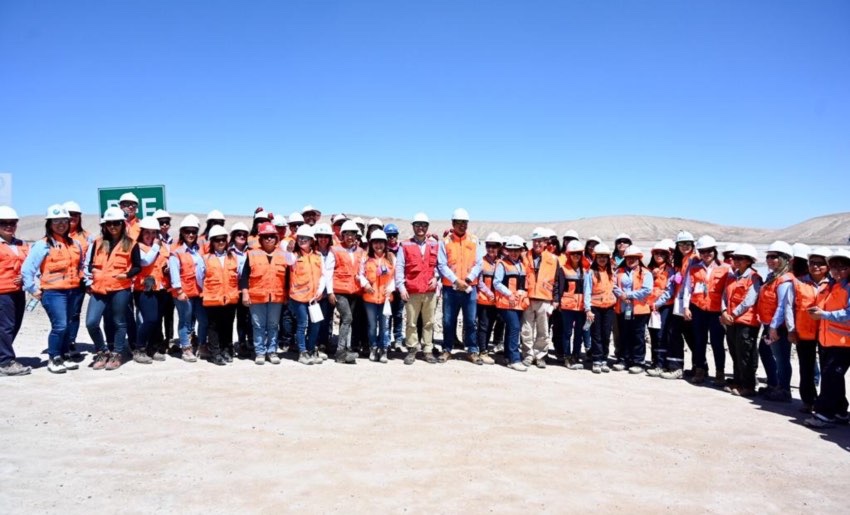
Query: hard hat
column 261, row 214
column 574, row 246
column 538, row 233
column 378, row 234
column 706, row 242
column 839, row 254
column 296, row 218
column 128, row 197
column 160, row 213
column 602, row 249
column 801, row 250
column 322, row 229
column 310, row 209
column 730, row 248
column 349, row 226
column 217, row 231
column 339, row 218
column 633, row 251
column 72, row 207
column 781, row 247
column 7, row 213
column 493, row 237
column 421, row 218
column 684, row 236
column 746, row 250
column 460, row 214
column 820, row 251
column 359, row 221
column 112, row 214
column 623, row 236
column 666, row 244
column 215, row 214
column 266, row 228
column 57, row 211
column 549, row 233
column 375, row 221
column 305, row 231
column 279, row 221
column 149, row 223
column 391, row 229
column 594, row 239
column 239, row 226
column 190, row 222
column 514, row 242
column 570, row 233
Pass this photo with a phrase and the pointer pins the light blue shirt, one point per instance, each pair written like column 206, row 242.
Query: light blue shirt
column 499, row 277
column 628, row 286
column 200, row 266
column 31, row 269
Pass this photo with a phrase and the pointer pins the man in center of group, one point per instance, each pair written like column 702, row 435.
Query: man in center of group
column 540, row 268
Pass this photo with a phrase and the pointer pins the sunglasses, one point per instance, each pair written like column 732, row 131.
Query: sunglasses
column 739, row 258
column 114, row 223
column 268, row 236
column 164, row 221
column 189, row 232
column 240, row 234
column 420, row 224
column 493, row 246
column 304, row 238
column 771, row 256
column 129, row 204
column 706, row 251
column 219, row 239
column 8, row 223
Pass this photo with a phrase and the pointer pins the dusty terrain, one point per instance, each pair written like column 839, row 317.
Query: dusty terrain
column 369, row 437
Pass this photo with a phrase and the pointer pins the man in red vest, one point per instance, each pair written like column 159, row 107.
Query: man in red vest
column 416, row 279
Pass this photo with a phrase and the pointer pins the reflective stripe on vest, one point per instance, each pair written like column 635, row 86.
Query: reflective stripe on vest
column 460, row 256
column 807, row 295
column 266, row 280
column 514, row 281
column 639, row 307
column 106, row 266
column 714, row 283
column 305, row 275
column 155, row 270
column 379, row 273
column 188, row 278
column 572, row 299
column 736, row 292
column 221, row 281
column 346, row 270
column 768, row 298
column 10, row 265
column 660, row 280
column 541, row 281
column 419, row 269
column 60, row 269
column 488, row 270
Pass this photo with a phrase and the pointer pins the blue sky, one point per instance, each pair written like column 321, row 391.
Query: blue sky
column 727, row 111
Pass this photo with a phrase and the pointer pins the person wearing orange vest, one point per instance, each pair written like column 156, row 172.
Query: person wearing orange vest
column 541, row 266
column 84, row 238
column 344, row 292
column 705, row 282
column 221, row 294
column 150, row 291
column 261, row 217
column 57, row 259
column 111, row 263
column 599, row 302
column 13, row 253
column 741, row 321
column 459, row 264
column 376, row 279
column 324, row 239
column 569, row 292
column 214, row 217
column 833, row 314
column 774, row 346
column 186, row 267
column 661, row 303
column 632, row 287
column 129, row 204
column 680, row 331
column 238, row 246
column 803, row 331
column 486, row 311
column 263, row 284
column 509, row 281
column 165, row 334
column 306, row 287
column 336, row 224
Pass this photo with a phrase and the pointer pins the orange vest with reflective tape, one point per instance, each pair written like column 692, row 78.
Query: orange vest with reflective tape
column 835, row 334
column 188, row 279
column 639, row 307
column 304, row 277
column 515, row 281
column 83, row 239
column 379, row 273
column 602, row 293
column 488, row 270
column 60, row 269
column 572, row 299
column 460, row 256
column 660, row 279
column 221, row 280
column 267, row 279
column 10, row 265
column 156, row 270
column 541, row 282
column 346, row 270
column 736, row 292
column 807, row 295
column 714, row 283
column 133, row 229
column 768, row 298
column 105, row 267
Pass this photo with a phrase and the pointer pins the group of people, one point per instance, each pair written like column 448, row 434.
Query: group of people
column 280, row 281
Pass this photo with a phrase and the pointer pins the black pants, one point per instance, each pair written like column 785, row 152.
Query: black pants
column 600, row 332
column 633, row 338
column 220, row 328
column 744, row 351
column 244, row 327
column 658, row 338
column 807, row 352
column 286, row 334
column 833, row 397
column 678, row 331
column 167, row 318
column 556, row 325
column 487, row 316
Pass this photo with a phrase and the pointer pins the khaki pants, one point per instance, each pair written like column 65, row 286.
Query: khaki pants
column 535, row 330
column 426, row 305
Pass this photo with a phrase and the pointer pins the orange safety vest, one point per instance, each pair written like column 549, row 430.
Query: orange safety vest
column 379, row 272
column 419, row 269
column 736, row 292
column 221, row 281
column 639, row 307
column 10, row 265
column 714, row 283
column 806, row 295
column 188, row 279
column 541, row 282
column 133, row 229
column 105, row 267
column 346, row 270
column 83, row 239
column 488, row 270
column 682, row 271
column 515, row 281
column 304, row 277
column 60, row 269
column 602, row 293
column 835, row 334
column 267, row 279
column 156, row 270
column 572, row 298
column 660, row 280
column 461, row 254
column 768, row 299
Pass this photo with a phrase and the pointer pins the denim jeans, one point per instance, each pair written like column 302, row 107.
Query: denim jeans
column 633, row 339
column 148, row 317
column 188, row 311
column 59, row 305
column 780, row 357
column 603, row 324
column 513, row 325
column 453, row 302
column 572, row 326
column 117, row 301
column 109, row 323
column 12, row 307
column 265, row 320
column 306, row 332
column 707, row 328
column 378, row 325
column 487, row 316
column 74, row 322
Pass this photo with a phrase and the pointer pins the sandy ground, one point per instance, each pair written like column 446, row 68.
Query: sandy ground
column 375, row 437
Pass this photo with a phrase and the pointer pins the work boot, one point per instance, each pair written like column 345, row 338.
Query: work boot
column 540, row 362
column 305, row 359
column 140, row 356
column 218, row 359
column 343, row 355
column 699, row 376
column 474, row 358
column 445, row 356
column 100, row 360
column 115, row 361
column 486, row 359
column 719, row 378
column 410, row 358
column 430, row 358
column 273, row 358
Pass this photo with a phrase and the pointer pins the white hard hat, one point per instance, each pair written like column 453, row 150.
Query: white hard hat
column 666, row 244
column 730, row 248
column 7, row 213
column 239, row 226
column 309, row 209
column 161, row 213
column 335, row 219
column 349, row 226
column 684, row 236
column 215, row 214
column 602, row 249
column 840, row 254
column 375, row 221
column 72, row 207
column 261, row 214
column 574, row 246
column 296, row 218
column 538, row 233
column 128, row 197
column 217, row 231
column 800, row 250
column 781, row 247
column 305, row 231
column 747, row 250
column 323, row 229
column 570, row 233
column 279, row 221
column 359, row 221
column 378, row 234
column 623, row 236
column 460, row 214
column 549, row 232
column 820, row 251
column 514, row 242
column 706, row 242
column 190, row 222
column 493, row 237
column 421, row 218
column 149, row 223
column 633, row 251
column 58, row 211
column 597, row 239
column 112, row 214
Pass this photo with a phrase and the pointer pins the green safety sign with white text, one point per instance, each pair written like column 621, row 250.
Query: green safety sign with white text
column 150, row 198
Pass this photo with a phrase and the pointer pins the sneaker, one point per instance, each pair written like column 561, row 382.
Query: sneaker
column 743, row 392
column 597, row 369
column 228, row 357
column 528, row 361
column 444, row 356
column 636, row 369
column 158, row 356
column 345, row 356
column 672, row 374
column 498, row 348
column 540, row 362
column 317, row 359
column 100, row 360
column 654, row 372
column 430, row 358
column 410, row 358
column 218, row 360
column 518, row 366
column 69, row 364
column 55, row 365
column 260, row 360
column 273, row 358
column 382, row 355
column 189, row 356
column 778, row 395
column 486, row 359
column 720, row 378
column 605, row 368
column 321, row 355
column 305, row 359
column 373, row 354
column 699, row 376
column 474, row 358
column 818, row 421
column 140, row 356
column 619, row 367
column 115, row 361
column 576, row 366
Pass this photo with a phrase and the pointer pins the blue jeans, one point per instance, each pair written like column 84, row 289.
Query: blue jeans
column 12, row 307
column 572, row 326
column 74, row 322
column 148, row 317
column 117, row 301
column 306, row 332
column 60, row 306
column 453, row 302
column 326, row 325
column 265, row 320
column 187, row 312
column 378, row 325
column 781, row 351
column 513, row 324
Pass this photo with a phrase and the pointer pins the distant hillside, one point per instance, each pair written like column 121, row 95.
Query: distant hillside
column 828, row 230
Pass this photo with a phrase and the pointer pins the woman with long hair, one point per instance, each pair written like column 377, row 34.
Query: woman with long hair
column 84, row 238
column 377, row 279
column 263, row 282
column 661, row 304
column 306, row 287
column 680, row 330
column 324, row 242
column 774, row 346
column 186, row 267
column 569, row 292
column 632, row 286
column 238, row 246
column 599, row 306
column 214, row 218
column 741, row 320
column 512, row 298
column 221, row 294
column 150, row 292
column 13, row 253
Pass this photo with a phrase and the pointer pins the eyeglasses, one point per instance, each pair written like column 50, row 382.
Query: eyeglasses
column 460, row 222
column 114, row 223
column 493, row 246
column 8, row 223
column 771, row 256
column 706, row 251
column 128, row 204
column 60, row 221
column 164, row 221
column 268, row 236
column 685, row 244
column 240, row 234
column 422, row 225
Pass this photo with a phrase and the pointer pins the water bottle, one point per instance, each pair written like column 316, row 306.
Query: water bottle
column 32, row 304
column 587, row 325
column 627, row 310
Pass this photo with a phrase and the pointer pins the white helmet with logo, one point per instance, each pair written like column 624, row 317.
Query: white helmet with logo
column 322, row 229
column 112, row 214
column 58, row 211
column 684, row 236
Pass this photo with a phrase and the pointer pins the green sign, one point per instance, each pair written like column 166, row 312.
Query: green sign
column 150, row 198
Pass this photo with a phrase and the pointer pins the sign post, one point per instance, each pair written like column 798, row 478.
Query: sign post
column 151, row 198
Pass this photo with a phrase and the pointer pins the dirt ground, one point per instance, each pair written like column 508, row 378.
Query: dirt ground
column 373, row 437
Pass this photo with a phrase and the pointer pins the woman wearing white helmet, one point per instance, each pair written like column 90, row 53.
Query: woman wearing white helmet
column 186, row 267
column 741, row 320
column 377, row 279
column 680, row 330
column 632, row 287
column 599, row 306
column 512, row 299
column 621, row 243
column 13, row 252
column 661, row 302
column 214, row 218
column 774, row 347
column 324, row 241
column 52, row 273
column 487, row 313
column 150, row 292
column 239, row 247
column 260, row 217
column 569, row 292
column 306, row 287
column 220, row 296
column 84, row 238
column 342, row 266
column 111, row 263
